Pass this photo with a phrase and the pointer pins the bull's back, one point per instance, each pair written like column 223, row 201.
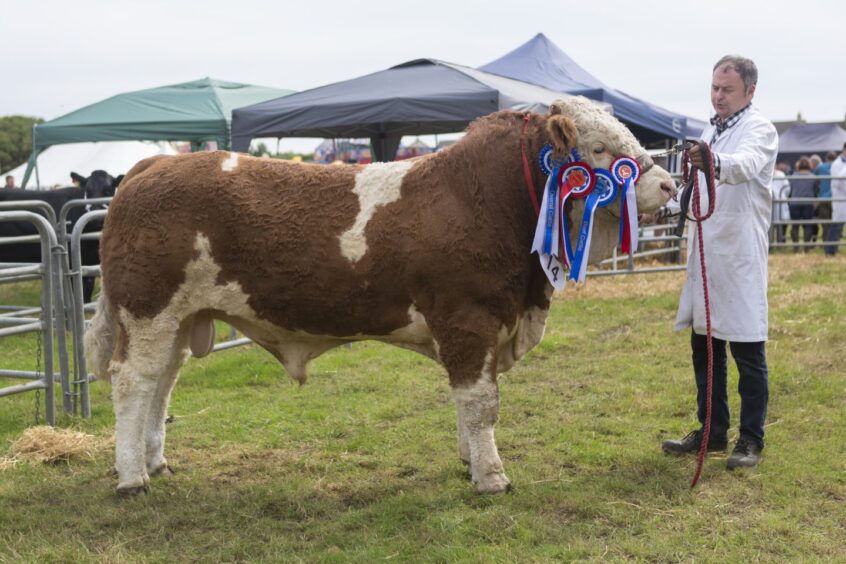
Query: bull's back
column 272, row 227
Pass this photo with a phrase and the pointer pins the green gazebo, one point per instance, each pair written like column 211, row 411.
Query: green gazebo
column 196, row 111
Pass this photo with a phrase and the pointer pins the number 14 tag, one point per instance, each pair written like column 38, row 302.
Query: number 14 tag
column 554, row 270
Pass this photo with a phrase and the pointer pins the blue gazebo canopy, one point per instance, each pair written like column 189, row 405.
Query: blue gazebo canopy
column 540, row 61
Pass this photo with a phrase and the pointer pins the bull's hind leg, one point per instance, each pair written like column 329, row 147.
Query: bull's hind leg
column 155, row 434
column 152, row 354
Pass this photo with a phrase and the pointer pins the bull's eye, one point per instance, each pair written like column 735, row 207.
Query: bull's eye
column 598, row 149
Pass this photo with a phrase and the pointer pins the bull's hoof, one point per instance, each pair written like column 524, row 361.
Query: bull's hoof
column 132, row 491
column 493, row 484
column 162, row 470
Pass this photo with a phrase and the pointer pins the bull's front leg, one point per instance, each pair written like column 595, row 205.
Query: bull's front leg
column 463, row 438
column 478, row 411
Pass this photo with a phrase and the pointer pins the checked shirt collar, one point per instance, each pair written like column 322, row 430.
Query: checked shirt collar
column 720, row 125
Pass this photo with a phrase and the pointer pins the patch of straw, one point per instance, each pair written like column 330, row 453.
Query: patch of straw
column 49, row 445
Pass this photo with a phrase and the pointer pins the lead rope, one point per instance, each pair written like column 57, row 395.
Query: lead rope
column 693, row 183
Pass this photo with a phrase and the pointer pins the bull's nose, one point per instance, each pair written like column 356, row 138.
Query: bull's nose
column 669, row 187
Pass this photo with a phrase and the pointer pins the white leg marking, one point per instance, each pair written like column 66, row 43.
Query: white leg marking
column 463, row 437
column 155, row 435
column 478, row 407
column 132, row 393
column 230, row 163
column 377, row 185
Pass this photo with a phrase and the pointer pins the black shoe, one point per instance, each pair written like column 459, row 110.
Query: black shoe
column 746, row 454
column 691, row 442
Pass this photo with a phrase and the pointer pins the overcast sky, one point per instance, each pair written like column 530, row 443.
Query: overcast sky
column 57, row 56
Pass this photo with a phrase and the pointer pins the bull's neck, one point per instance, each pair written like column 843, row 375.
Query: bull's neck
column 497, row 192
column 498, row 184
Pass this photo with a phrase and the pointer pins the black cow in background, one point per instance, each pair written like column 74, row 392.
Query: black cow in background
column 99, row 185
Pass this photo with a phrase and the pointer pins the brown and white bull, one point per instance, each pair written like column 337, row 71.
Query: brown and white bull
column 429, row 254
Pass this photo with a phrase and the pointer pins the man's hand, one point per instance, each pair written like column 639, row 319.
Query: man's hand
column 696, row 157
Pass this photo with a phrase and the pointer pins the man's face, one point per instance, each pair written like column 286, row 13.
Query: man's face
column 728, row 93
column 10, row 181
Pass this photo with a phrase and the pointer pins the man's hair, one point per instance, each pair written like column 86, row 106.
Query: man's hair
column 830, row 156
column 804, row 163
column 744, row 67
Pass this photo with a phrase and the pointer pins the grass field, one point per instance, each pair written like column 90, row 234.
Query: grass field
column 361, row 465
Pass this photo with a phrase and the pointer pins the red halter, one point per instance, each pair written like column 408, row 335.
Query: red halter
column 527, row 171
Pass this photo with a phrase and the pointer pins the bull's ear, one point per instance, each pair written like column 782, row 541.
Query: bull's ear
column 78, row 178
column 554, row 109
column 562, row 132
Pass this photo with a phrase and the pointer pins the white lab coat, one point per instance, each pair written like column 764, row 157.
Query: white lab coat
column 838, row 189
column 735, row 236
column 781, row 191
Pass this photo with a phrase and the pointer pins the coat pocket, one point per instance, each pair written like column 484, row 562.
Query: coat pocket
column 730, row 233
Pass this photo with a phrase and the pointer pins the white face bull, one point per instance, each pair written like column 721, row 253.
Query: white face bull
column 430, row 255
column 601, row 138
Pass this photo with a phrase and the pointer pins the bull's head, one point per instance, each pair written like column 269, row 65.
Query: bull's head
column 99, row 185
column 600, row 138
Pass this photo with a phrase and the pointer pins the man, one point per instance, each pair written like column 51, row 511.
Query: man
column 838, row 208
column 781, row 191
column 824, row 191
column 744, row 145
column 10, row 181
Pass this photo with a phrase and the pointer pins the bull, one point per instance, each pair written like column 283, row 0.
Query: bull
column 99, row 185
column 430, row 254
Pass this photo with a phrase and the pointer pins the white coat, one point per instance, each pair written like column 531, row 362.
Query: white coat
column 838, row 189
column 781, row 191
column 735, row 236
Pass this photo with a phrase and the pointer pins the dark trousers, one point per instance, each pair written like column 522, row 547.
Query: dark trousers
column 834, row 234
column 802, row 211
column 753, row 386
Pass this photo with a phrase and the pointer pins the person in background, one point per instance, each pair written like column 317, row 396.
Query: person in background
column 838, row 208
column 803, row 185
column 781, row 191
column 824, row 193
column 744, row 145
column 10, row 181
column 816, row 161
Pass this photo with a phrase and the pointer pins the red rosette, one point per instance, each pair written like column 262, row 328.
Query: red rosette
column 576, row 179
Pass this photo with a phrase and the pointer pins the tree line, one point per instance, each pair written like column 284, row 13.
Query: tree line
column 15, row 140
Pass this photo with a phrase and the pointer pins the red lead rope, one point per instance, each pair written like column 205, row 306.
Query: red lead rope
column 699, row 218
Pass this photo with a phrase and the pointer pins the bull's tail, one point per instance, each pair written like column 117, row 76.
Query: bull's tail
column 100, row 338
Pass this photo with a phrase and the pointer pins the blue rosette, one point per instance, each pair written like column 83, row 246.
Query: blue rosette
column 626, row 172
column 546, row 162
